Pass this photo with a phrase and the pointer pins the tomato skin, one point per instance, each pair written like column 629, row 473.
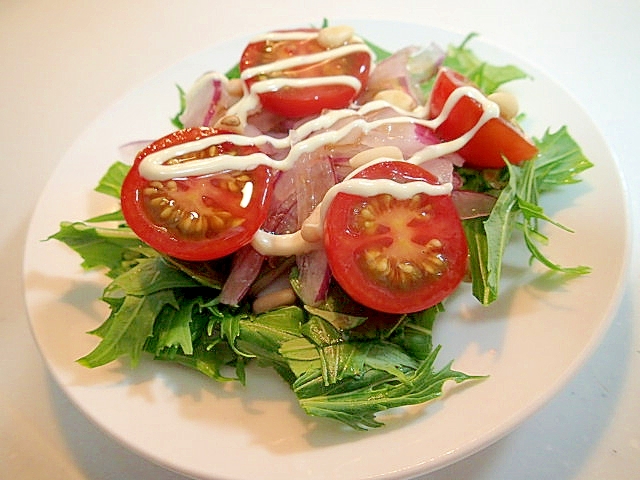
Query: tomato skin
column 298, row 102
column 495, row 139
column 409, row 243
column 203, row 191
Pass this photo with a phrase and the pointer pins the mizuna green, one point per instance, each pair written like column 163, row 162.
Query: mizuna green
column 339, row 363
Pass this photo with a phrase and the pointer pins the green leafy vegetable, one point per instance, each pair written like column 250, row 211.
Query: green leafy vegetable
column 116, row 216
column 111, row 182
column 379, row 52
column 486, row 76
column 175, row 120
column 233, row 72
column 147, row 276
column 338, row 362
column 127, row 328
column 558, row 162
column 159, row 307
column 100, row 247
column 376, row 393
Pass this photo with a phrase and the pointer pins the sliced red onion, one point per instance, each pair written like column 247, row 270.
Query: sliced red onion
column 402, row 135
column 314, row 276
column 426, row 136
column 272, row 124
column 247, row 262
column 314, row 177
column 206, row 101
column 472, row 204
column 341, row 167
column 457, row 181
column 199, row 100
column 404, row 70
column 283, row 213
column 215, row 100
column 392, row 73
column 423, row 64
column 245, row 268
column 275, row 273
column 266, row 123
column 441, row 168
column 408, row 137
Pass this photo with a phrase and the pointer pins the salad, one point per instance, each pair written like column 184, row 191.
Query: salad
column 312, row 211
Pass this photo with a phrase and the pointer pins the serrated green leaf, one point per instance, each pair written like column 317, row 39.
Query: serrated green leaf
column 358, row 407
column 558, row 163
column 487, row 77
column 560, row 160
column 128, row 328
column 116, row 216
column 99, row 247
column 150, row 275
column 174, row 328
column 111, row 183
column 182, row 99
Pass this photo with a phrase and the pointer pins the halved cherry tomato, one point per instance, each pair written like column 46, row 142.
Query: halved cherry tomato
column 495, row 139
column 200, row 217
column 296, row 102
column 395, row 256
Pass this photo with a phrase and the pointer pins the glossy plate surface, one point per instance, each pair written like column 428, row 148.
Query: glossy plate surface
column 529, row 342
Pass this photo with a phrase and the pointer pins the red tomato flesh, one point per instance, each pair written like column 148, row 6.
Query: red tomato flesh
column 297, row 102
column 495, row 139
column 196, row 218
column 396, row 256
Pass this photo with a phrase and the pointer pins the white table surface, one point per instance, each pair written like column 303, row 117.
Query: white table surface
column 62, row 62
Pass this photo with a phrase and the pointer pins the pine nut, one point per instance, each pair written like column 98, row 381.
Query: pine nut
column 235, row 87
column 332, row 37
column 397, row 98
column 273, row 300
column 229, row 123
column 507, row 102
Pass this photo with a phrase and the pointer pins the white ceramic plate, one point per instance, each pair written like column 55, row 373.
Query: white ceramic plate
column 529, row 342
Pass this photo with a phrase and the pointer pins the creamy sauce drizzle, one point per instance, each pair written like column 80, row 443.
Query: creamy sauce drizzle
column 250, row 101
column 154, row 167
column 300, row 141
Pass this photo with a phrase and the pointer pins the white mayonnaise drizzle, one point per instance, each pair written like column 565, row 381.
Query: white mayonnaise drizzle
column 250, row 102
column 302, row 60
column 154, row 167
column 300, row 141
